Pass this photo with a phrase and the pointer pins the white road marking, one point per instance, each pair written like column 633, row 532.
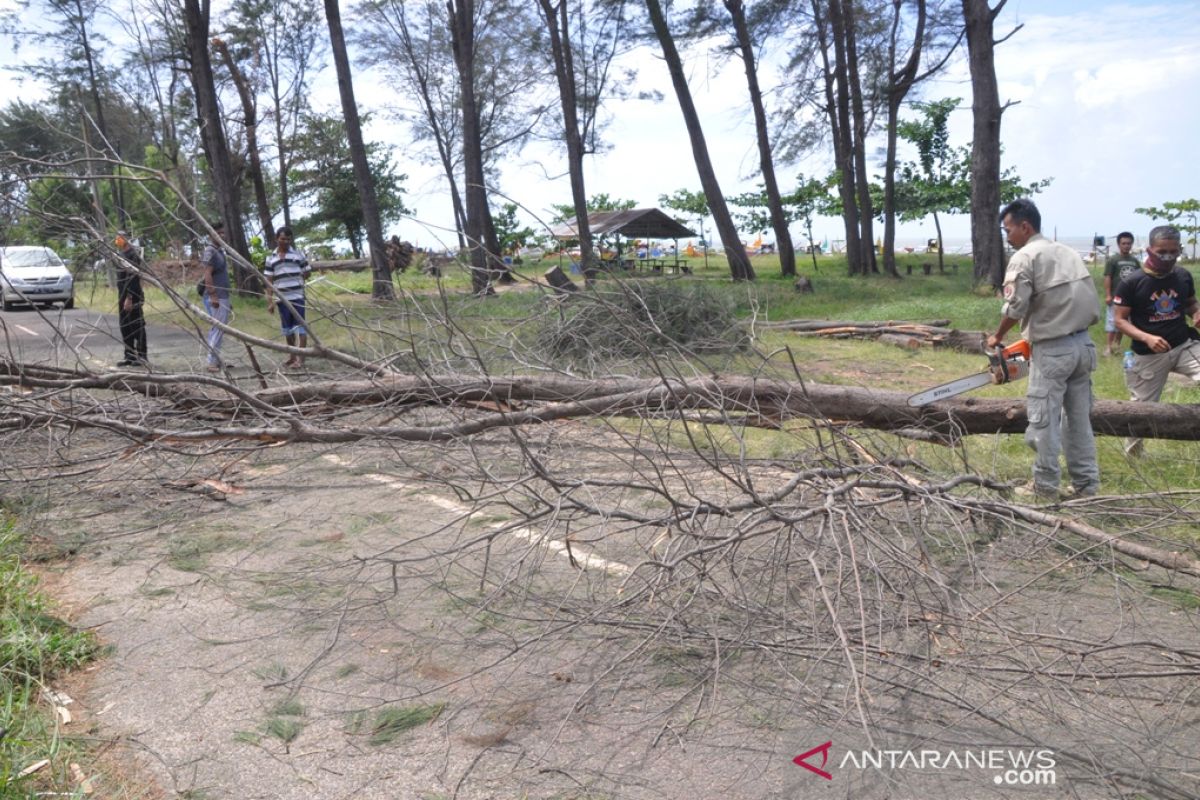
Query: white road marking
column 582, row 558
column 26, row 330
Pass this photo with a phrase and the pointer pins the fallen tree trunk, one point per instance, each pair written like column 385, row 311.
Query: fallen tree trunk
column 822, row 324
column 771, row 400
column 916, row 334
column 341, row 265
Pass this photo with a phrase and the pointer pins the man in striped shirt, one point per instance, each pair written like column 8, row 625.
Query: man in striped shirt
column 285, row 271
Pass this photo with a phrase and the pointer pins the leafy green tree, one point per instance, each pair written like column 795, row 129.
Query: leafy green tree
column 1183, row 214
column 48, row 212
column 511, row 233
column 324, row 177
column 940, row 180
column 283, row 51
column 692, row 205
column 811, row 198
column 597, row 202
column 924, row 184
column 71, row 48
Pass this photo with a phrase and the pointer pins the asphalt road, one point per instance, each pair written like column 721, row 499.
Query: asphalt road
column 85, row 339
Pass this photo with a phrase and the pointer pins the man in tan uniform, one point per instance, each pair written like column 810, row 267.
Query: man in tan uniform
column 1050, row 292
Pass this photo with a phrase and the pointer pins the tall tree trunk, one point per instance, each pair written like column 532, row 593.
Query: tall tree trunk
column 900, row 83
column 118, row 192
column 837, row 93
column 937, row 226
column 987, row 248
column 558, row 24
column 783, row 237
column 250, row 112
column 866, row 213
column 381, row 284
column 480, row 232
column 282, row 157
column 441, row 138
column 212, row 137
column 281, row 148
column 739, row 262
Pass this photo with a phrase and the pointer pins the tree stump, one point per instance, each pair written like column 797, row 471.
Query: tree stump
column 559, row 280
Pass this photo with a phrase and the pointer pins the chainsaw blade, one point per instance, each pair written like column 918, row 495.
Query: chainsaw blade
column 951, row 389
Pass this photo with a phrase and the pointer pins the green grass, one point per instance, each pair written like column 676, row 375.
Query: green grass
column 35, row 648
column 493, row 328
column 389, row 723
column 285, row 729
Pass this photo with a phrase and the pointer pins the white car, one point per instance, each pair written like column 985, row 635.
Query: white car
column 34, row 275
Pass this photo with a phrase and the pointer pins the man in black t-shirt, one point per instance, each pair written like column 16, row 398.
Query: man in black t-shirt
column 1153, row 307
column 1120, row 265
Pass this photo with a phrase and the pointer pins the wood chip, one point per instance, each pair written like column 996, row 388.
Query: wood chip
column 85, row 783
column 32, row 768
column 222, row 486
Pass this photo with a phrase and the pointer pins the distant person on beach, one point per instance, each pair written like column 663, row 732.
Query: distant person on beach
column 216, row 293
column 1153, row 307
column 285, row 272
column 1120, row 265
column 1049, row 291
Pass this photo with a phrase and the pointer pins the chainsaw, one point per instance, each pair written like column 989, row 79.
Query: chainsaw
column 1009, row 364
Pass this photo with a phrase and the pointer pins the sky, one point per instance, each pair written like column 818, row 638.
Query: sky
column 1103, row 98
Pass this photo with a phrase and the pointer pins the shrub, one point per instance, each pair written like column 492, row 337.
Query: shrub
column 638, row 318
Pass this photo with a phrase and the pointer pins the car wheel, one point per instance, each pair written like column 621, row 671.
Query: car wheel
column 68, row 305
column 8, row 306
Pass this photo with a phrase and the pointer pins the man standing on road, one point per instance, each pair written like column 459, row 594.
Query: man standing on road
column 130, row 299
column 1049, row 291
column 1119, row 266
column 1153, row 307
column 216, row 293
column 285, row 272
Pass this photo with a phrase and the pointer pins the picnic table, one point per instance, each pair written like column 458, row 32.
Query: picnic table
column 666, row 265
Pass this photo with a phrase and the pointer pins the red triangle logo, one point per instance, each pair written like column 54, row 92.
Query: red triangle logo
column 823, row 749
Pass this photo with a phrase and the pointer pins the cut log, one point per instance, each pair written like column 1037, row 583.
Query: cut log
column 908, row 342
column 341, row 265
column 963, row 341
column 820, row 324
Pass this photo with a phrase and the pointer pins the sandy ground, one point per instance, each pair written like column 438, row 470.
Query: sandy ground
column 327, row 622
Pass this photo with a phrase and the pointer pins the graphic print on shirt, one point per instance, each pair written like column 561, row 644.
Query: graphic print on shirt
column 1166, row 305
